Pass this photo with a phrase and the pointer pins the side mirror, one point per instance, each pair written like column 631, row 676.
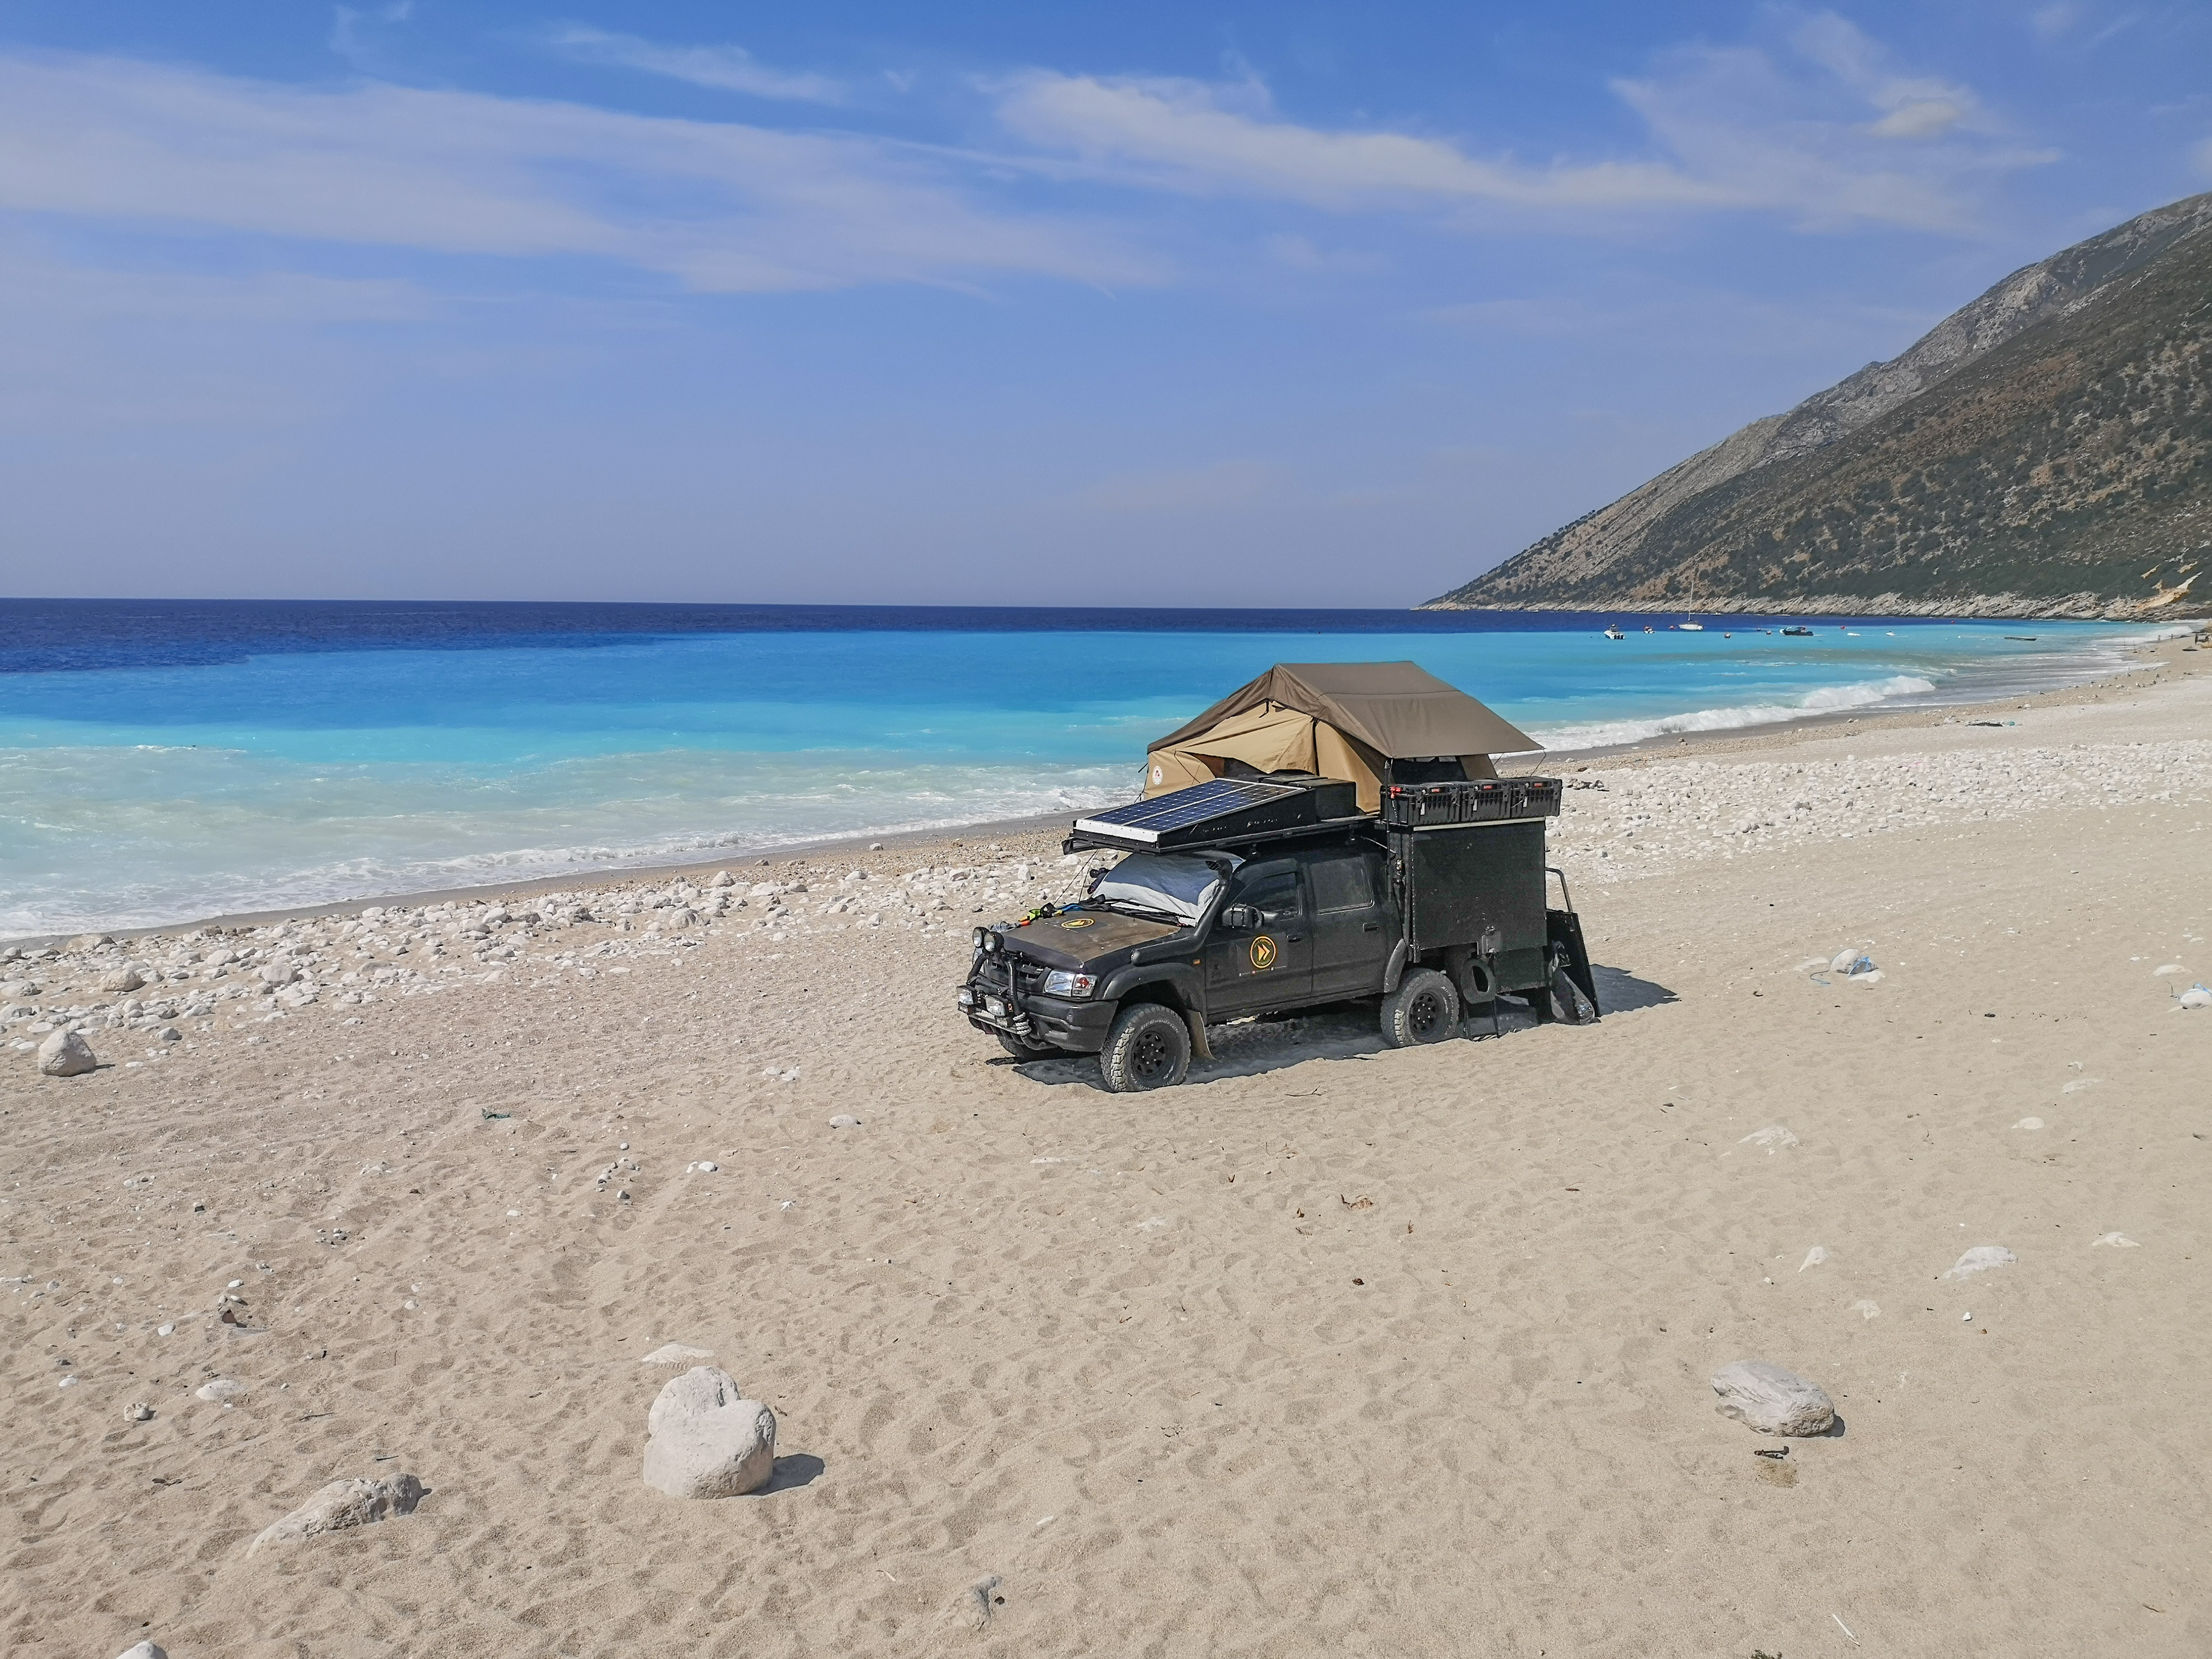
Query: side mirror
column 1242, row 917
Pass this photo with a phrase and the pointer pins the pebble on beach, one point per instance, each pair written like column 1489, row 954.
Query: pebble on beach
column 66, row 1053
column 1772, row 1400
column 676, row 1353
column 1980, row 1260
column 344, row 1504
column 707, row 1439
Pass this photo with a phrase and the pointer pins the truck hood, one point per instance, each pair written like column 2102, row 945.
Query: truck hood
column 1073, row 941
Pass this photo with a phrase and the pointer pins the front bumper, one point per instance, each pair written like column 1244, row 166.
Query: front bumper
column 1077, row 1028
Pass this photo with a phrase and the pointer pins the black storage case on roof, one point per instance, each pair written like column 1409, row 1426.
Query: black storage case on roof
column 1486, row 800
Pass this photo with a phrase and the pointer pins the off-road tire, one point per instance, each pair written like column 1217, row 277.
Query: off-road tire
column 1425, row 1008
column 1019, row 1050
column 1148, row 1047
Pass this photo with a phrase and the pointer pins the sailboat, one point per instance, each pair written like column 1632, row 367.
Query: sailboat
column 1686, row 625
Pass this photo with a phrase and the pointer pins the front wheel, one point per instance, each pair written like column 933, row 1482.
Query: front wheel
column 1148, row 1047
column 1425, row 1008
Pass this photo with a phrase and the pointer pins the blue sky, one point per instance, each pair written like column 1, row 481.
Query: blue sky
column 974, row 303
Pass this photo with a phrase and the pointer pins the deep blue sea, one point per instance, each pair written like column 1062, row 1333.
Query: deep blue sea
column 165, row 760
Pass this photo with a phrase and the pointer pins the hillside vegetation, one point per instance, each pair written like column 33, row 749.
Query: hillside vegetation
column 2043, row 451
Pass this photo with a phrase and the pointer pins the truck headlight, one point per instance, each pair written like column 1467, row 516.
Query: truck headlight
column 966, row 996
column 1077, row 985
column 976, row 937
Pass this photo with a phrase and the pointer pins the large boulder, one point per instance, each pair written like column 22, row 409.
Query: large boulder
column 66, row 1053
column 344, row 1504
column 708, row 1440
column 1771, row 1399
column 125, row 978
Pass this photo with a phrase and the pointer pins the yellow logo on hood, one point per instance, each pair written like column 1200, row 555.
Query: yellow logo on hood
column 1078, row 922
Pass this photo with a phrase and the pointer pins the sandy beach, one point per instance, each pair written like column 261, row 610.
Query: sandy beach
column 1336, row 1349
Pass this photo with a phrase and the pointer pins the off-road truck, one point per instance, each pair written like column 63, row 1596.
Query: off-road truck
column 1254, row 896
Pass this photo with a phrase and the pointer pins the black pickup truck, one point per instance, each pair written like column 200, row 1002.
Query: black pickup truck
column 1243, row 896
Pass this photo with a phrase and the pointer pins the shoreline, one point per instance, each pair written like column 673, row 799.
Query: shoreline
column 2151, row 658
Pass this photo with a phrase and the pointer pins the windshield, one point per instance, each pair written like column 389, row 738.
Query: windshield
column 1168, row 884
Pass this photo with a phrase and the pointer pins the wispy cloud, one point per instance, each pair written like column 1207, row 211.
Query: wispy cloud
column 721, row 206
column 725, row 68
column 1211, row 137
column 1821, row 135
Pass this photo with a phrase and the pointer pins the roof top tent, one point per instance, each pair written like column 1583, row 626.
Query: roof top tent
column 1368, row 724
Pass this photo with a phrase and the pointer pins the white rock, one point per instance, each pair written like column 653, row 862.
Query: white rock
column 1814, row 1257
column 704, row 1166
column 844, row 1121
column 220, row 1389
column 2117, row 1240
column 140, row 1412
column 65, row 1054
column 675, row 1353
column 1980, row 1260
column 144, row 1650
column 708, row 1440
column 344, row 1504
column 122, row 979
column 724, row 879
column 1771, row 1399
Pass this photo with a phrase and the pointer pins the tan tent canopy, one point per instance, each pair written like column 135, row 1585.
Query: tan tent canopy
column 1337, row 720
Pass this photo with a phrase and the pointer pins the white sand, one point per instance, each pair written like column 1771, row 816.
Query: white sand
column 1334, row 1349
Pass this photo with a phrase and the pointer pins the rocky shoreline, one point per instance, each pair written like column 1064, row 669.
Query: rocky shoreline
column 1982, row 607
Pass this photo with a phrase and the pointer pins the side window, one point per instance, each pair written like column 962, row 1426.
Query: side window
column 1273, row 896
column 1344, row 884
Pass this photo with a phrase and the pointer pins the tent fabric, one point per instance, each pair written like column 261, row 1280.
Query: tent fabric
column 1337, row 720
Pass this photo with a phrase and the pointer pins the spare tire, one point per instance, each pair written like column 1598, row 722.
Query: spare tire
column 1425, row 1008
column 1148, row 1047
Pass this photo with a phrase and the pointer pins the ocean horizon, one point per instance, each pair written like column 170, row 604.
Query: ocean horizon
column 166, row 760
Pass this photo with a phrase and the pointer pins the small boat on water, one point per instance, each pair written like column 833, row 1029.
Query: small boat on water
column 1797, row 633
column 1614, row 632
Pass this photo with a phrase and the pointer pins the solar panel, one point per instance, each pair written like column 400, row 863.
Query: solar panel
column 1149, row 820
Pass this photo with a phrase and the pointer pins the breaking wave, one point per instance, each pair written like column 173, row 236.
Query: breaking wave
column 1828, row 699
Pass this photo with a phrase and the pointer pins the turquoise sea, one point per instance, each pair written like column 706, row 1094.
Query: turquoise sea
column 165, row 760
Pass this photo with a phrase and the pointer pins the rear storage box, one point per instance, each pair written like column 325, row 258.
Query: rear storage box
column 1462, row 882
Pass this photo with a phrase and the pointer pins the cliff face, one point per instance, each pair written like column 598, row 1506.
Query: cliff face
column 2043, row 451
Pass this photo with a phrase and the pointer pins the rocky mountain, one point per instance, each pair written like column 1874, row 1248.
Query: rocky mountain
column 2045, row 451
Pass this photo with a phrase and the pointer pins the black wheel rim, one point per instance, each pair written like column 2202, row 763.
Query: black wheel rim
column 1148, row 1055
column 1425, row 1016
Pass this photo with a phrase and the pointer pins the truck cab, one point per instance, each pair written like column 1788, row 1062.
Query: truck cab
column 1244, row 897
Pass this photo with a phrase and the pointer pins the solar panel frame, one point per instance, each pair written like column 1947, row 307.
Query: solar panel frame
column 1148, row 820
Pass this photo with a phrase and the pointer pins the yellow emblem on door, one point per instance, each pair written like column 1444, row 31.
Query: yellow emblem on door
column 1263, row 953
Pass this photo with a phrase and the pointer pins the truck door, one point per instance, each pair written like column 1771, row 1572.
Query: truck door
column 1355, row 923
column 1270, row 966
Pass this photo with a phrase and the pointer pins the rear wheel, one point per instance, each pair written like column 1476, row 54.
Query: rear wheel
column 1425, row 1008
column 1148, row 1047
